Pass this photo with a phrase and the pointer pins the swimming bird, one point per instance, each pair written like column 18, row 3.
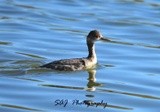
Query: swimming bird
column 79, row 63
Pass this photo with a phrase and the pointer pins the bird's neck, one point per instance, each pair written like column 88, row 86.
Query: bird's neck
column 91, row 50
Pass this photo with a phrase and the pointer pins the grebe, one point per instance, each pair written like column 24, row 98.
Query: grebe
column 79, row 63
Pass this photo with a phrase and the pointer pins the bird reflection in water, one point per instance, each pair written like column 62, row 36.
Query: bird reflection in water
column 92, row 84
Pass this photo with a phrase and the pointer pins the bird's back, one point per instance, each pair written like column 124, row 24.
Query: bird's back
column 67, row 64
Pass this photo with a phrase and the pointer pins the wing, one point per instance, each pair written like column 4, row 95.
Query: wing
column 67, row 64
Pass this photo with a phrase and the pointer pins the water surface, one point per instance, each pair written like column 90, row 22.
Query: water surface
column 127, row 76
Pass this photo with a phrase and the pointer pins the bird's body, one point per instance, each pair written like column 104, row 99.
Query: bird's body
column 69, row 64
column 78, row 63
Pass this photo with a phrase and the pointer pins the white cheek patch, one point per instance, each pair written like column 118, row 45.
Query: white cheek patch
column 101, row 35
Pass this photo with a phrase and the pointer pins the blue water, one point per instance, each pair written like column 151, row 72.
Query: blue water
column 127, row 77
